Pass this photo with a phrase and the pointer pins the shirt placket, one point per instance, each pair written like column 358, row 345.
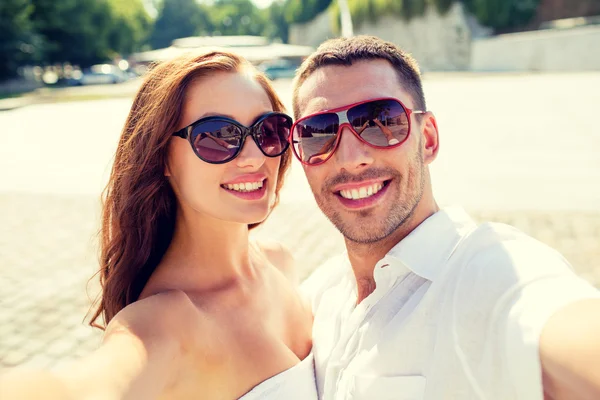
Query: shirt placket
column 337, row 384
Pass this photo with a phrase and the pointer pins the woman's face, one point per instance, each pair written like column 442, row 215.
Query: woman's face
column 215, row 190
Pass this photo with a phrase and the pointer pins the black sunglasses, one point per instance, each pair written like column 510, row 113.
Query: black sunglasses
column 217, row 140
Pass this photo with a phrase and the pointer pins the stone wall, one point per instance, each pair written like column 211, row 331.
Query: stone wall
column 438, row 42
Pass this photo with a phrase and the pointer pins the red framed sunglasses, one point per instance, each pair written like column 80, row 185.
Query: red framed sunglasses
column 380, row 123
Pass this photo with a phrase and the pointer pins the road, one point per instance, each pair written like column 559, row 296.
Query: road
column 521, row 149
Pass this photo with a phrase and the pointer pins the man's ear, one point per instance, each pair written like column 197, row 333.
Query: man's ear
column 431, row 142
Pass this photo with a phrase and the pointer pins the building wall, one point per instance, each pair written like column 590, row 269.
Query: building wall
column 438, row 42
column 314, row 32
column 549, row 10
column 455, row 41
column 576, row 49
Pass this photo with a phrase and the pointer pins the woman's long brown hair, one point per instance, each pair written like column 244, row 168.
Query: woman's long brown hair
column 138, row 214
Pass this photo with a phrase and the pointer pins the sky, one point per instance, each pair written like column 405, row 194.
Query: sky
column 262, row 3
column 258, row 3
column 152, row 11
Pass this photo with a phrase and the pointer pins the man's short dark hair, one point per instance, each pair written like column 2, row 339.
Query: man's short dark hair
column 347, row 51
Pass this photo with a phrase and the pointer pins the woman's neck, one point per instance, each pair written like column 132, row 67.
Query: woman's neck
column 206, row 253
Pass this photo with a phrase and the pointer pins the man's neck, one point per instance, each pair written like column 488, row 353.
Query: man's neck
column 364, row 256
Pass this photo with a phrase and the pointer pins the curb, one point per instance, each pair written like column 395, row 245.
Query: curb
column 16, row 102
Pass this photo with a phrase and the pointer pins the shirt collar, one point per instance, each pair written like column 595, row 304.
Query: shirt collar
column 429, row 246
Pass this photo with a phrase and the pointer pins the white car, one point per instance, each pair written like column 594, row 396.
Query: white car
column 278, row 69
column 100, row 74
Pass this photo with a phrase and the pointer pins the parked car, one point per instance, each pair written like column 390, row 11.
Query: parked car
column 98, row 75
column 277, row 69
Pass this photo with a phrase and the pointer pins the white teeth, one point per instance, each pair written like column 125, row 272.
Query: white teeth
column 361, row 193
column 244, row 187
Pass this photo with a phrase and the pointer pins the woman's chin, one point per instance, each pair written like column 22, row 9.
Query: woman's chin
column 253, row 218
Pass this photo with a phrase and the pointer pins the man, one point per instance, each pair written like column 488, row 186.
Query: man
column 425, row 304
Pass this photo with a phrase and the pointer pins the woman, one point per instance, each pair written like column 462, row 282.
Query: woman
column 194, row 308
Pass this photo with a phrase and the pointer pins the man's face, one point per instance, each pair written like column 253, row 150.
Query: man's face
column 396, row 177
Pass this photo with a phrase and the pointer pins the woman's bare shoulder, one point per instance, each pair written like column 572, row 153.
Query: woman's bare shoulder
column 168, row 309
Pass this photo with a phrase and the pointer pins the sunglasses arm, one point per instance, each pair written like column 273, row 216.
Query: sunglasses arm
column 182, row 133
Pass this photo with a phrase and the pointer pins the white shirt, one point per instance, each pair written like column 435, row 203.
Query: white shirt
column 457, row 313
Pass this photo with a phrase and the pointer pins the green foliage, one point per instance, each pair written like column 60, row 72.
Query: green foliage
column 177, row 19
column 237, row 17
column 278, row 28
column 18, row 37
column 371, row 10
column 442, row 5
column 73, row 30
column 183, row 18
column 300, row 11
column 81, row 32
column 130, row 26
column 497, row 14
column 85, row 32
column 503, row 14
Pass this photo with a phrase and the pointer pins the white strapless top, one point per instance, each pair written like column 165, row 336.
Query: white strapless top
column 297, row 382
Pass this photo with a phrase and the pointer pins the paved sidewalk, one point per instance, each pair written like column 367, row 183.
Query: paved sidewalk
column 47, row 256
column 72, row 93
column 500, row 169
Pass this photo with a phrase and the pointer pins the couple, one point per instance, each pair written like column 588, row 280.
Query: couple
column 424, row 304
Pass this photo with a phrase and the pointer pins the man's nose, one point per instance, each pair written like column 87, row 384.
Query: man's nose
column 352, row 153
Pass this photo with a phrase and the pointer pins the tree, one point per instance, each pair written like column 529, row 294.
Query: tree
column 237, row 17
column 443, row 5
column 82, row 32
column 278, row 26
column 503, row 14
column 130, row 26
column 497, row 14
column 74, row 31
column 177, row 19
column 18, row 42
column 300, row 11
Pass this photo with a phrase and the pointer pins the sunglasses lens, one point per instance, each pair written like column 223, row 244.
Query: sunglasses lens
column 216, row 141
column 273, row 134
column 314, row 138
column 381, row 123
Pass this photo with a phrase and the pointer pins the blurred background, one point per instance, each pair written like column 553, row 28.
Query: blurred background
column 515, row 86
